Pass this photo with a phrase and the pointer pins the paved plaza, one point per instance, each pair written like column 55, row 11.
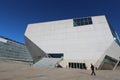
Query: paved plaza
column 13, row 70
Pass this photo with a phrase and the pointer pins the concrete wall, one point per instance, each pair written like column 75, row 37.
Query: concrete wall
column 83, row 43
column 34, row 50
column 114, row 50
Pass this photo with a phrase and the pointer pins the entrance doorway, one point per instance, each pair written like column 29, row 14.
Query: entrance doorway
column 77, row 65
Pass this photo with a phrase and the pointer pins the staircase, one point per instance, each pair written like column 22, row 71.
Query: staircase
column 47, row 62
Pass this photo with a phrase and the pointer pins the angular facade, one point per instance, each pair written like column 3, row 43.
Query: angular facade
column 13, row 50
column 80, row 41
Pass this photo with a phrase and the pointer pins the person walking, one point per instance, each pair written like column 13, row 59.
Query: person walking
column 93, row 70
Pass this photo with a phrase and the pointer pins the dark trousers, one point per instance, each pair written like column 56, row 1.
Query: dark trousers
column 93, row 72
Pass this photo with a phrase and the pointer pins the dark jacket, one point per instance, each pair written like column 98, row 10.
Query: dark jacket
column 92, row 67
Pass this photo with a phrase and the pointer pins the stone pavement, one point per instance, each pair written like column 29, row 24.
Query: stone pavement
column 13, row 70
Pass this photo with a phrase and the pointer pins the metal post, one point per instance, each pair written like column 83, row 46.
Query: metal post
column 116, row 64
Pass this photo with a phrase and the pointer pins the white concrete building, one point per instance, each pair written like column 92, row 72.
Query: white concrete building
column 79, row 41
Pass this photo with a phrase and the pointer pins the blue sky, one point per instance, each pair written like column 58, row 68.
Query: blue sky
column 15, row 15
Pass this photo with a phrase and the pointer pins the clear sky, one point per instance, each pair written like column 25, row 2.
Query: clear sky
column 15, row 15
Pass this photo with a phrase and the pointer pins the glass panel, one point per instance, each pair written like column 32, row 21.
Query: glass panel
column 85, row 19
column 54, row 55
column 15, row 51
column 84, row 66
column 89, row 19
column 78, row 20
column 86, row 23
column 90, row 22
column 77, row 65
column 82, row 21
column 108, row 63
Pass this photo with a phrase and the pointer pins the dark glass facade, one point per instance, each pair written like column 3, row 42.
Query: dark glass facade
column 82, row 21
column 77, row 65
column 14, row 50
column 53, row 55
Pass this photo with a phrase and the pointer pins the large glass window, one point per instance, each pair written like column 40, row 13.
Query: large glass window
column 82, row 21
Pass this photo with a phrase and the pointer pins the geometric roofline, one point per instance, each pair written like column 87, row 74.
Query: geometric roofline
column 11, row 40
column 115, row 35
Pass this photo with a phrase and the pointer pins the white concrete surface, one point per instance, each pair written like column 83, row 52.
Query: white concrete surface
column 85, row 44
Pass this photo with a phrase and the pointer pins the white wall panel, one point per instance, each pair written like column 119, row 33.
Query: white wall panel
column 87, row 42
